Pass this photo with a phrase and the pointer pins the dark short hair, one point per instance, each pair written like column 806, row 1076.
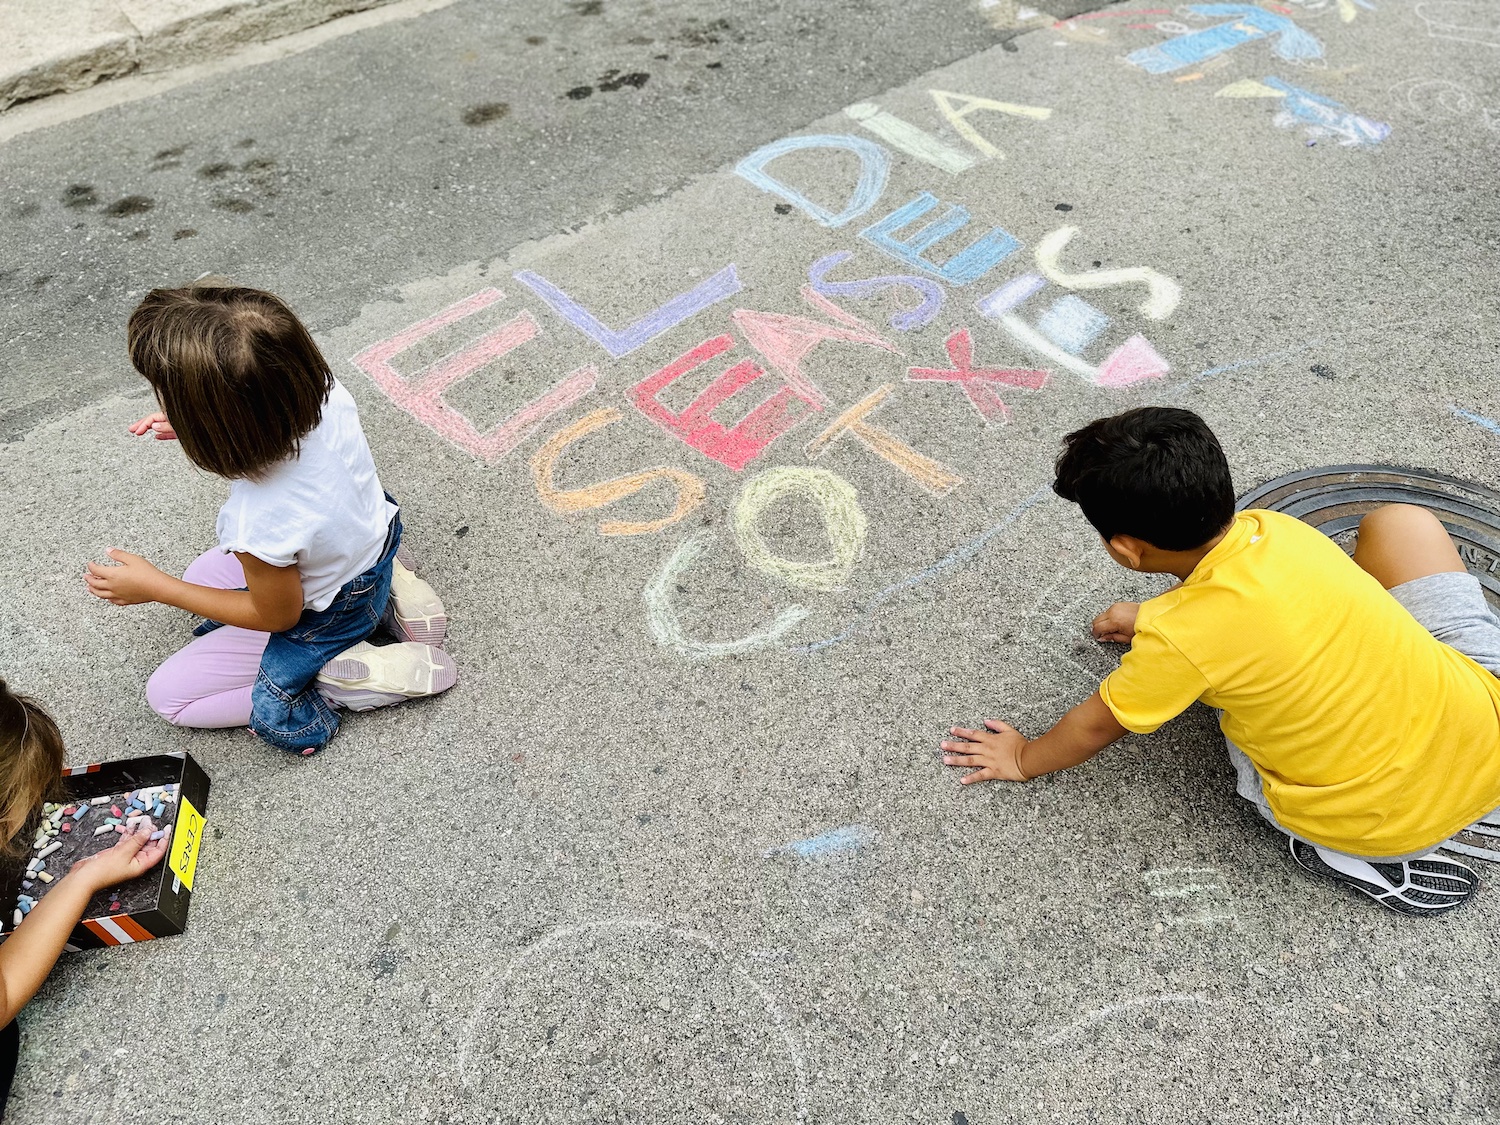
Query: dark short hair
column 236, row 373
column 1156, row 473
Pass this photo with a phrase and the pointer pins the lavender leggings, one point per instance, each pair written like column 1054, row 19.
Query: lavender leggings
column 207, row 682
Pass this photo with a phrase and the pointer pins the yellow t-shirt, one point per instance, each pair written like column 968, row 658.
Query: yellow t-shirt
column 1371, row 736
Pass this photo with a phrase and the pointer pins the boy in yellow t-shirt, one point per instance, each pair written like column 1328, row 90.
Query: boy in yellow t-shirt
column 1359, row 697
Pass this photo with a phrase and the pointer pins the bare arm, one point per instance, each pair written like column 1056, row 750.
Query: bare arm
column 30, row 952
column 1001, row 753
column 271, row 602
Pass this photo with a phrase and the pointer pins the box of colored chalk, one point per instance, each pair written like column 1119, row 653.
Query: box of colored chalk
column 166, row 794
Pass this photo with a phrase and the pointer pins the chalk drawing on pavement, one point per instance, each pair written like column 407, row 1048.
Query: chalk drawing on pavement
column 1434, row 98
column 842, row 841
column 1244, row 23
column 1134, row 1004
column 1318, row 116
column 838, row 506
column 503, row 1033
column 1190, row 896
column 1468, row 21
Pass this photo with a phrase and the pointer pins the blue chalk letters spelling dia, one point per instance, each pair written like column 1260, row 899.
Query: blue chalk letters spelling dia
column 970, row 263
column 874, row 164
column 1251, row 23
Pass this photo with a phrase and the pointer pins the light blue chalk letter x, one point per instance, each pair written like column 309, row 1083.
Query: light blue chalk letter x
column 973, row 261
column 1250, row 23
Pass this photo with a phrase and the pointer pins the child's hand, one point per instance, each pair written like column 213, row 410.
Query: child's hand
column 134, row 854
column 1117, row 623
column 996, row 752
column 133, row 581
column 156, row 425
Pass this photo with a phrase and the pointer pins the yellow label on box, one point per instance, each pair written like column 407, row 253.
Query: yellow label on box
column 187, row 841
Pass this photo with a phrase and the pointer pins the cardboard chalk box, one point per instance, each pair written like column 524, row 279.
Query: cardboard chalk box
column 156, row 904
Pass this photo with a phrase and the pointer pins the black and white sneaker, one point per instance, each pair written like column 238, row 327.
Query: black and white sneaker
column 1429, row 884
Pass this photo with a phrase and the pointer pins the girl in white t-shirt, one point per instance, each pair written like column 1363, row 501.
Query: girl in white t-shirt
column 305, row 567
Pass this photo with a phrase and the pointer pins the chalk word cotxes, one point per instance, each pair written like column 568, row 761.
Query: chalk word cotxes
column 782, row 343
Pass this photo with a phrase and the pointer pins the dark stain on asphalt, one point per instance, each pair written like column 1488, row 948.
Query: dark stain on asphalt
column 613, row 80
column 714, row 66
column 486, row 112
column 170, row 153
column 130, row 205
column 462, row 531
column 80, row 195
column 215, row 171
column 248, row 142
column 960, row 1118
column 233, row 204
column 139, row 235
column 26, row 210
column 535, row 40
column 258, row 164
column 783, row 208
column 578, row 93
column 185, row 232
column 1322, row 371
column 708, row 34
column 1063, row 207
column 588, row 7
column 40, row 282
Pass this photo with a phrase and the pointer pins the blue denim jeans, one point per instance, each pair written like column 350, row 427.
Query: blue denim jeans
column 286, row 709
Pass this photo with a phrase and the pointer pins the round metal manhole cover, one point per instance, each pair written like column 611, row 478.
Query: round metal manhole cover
column 1333, row 500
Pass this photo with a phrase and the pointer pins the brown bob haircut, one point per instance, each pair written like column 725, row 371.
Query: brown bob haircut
column 31, row 763
column 236, row 373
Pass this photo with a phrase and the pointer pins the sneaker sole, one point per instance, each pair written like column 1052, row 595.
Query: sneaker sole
column 415, row 612
column 368, row 677
column 1425, row 886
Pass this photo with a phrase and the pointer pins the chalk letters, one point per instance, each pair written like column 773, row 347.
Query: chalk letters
column 719, row 287
column 734, row 446
column 690, row 490
column 421, row 395
column 972, row 262
column 874, row 166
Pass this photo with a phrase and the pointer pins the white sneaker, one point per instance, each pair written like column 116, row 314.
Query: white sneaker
column 414, row 613
column 367, row 676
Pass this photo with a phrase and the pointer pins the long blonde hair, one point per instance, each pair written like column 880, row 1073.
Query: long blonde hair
column 31, row 762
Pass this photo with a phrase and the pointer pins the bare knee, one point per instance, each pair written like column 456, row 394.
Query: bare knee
column 1400, row 519
column 1399, row 543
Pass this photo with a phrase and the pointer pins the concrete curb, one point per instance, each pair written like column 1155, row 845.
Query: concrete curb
column 50, row 48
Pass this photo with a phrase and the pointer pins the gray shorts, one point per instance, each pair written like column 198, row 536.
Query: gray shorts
column 1449, row 606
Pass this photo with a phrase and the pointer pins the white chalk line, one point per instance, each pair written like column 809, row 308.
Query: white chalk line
column 778, row 1017
column 1109, row 1011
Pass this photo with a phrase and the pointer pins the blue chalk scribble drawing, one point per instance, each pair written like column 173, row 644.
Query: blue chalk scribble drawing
column 1249, row 23
column 1072, row 323
column 1477, row 419
column 1324, row 117
column 836, row 841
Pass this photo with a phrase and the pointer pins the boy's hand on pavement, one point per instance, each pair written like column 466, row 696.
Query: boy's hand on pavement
column 156, row 425
column 993, row 754
column 133, row 581
column 134, row 854
column 1117, row 623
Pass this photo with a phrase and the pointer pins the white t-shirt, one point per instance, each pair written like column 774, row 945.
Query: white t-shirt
column 322, row 511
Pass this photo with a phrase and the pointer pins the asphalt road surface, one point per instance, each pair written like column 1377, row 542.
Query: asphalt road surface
column 677, row 847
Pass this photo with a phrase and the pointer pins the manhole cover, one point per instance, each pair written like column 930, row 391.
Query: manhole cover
column 1333, row 499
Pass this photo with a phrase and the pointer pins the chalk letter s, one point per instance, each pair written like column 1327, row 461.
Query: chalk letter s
column 874, row 164
column 690, row 491
column 902, row 320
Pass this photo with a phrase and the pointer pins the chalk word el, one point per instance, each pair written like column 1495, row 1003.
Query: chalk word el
column 1318, row 116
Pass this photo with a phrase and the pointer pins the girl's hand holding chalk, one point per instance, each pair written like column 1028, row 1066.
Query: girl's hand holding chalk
column 131, row 581
column 134, row 855
column 156, row 425
column 993, row 754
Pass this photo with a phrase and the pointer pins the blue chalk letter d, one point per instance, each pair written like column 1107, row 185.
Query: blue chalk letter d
column 970, row 263
column 874, row 165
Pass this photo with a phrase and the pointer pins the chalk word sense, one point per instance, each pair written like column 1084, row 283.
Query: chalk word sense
column 938, row 264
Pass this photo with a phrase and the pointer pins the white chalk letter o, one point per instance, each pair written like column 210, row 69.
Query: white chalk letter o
column 843, row 519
